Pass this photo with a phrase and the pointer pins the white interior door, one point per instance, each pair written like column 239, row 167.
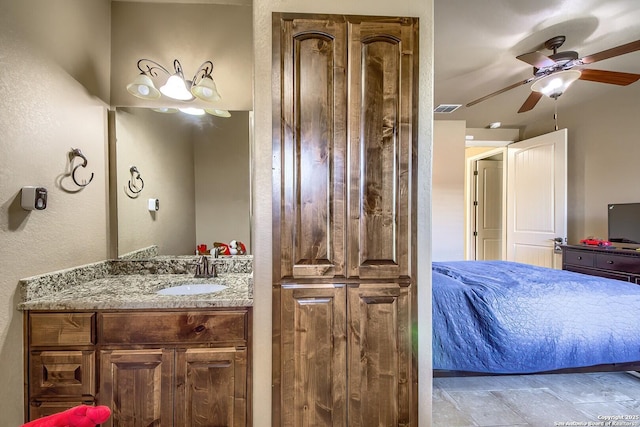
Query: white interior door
column 537, row 199
column 488, row 208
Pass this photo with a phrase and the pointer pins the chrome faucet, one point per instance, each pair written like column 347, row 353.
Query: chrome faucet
column 204, row 269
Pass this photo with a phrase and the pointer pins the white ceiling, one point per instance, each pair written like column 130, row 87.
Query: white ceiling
column 477, row 41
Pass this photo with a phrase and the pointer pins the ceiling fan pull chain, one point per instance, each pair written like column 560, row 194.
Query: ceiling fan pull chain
column 555, row 113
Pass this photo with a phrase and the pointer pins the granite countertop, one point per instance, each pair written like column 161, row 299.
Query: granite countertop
column 107, row 286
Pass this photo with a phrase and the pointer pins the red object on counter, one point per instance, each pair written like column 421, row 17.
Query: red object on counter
column 595, row 242
column 223, row 248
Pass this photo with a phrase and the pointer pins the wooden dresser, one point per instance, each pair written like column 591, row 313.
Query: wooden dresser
column 613, row 263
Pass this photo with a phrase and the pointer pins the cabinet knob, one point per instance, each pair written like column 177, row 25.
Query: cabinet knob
column 609, row 262
column 579, row 257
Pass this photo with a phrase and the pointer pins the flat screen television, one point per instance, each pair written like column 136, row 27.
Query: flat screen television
column 624, row 223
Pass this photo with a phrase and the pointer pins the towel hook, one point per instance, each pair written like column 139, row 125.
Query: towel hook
column 75, row 152
column 135, row 176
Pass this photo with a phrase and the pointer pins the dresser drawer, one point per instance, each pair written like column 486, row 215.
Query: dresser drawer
column 61, row 329
column 627, row 264
column 173, row 328
column 581, row 258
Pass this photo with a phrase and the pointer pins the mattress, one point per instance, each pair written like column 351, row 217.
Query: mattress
column 507, row 317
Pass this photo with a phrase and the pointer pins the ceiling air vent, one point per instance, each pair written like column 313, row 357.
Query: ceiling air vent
column 447, row 108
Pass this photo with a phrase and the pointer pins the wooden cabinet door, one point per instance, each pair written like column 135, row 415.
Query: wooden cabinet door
column 211, row 387
column 137, row 386
column 381, row 146
column 309, row 147
column 313, row 356
column 380, row 361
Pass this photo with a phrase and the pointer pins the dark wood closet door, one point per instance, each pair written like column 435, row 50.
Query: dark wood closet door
column 343, row 176
column 379, row 356
column 380, row 147
column 314, row 368
column 309, row 203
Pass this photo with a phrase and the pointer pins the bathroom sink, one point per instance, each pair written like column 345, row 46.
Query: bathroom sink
column 192, row 289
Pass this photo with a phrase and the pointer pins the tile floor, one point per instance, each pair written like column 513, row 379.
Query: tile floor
column 538, row 400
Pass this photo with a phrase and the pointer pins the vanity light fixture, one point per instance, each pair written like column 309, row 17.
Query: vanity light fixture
column 192, row 111
column 217, row 112
column 555, row 84
column 166, row 110
column 201, row 86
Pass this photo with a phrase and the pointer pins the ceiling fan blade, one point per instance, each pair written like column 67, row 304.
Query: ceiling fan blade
column 530, row 102
column 498, row 92
column 611, row 77
column 536, row 59
column 610, row 53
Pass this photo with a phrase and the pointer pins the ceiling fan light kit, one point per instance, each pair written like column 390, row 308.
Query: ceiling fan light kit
column 553, row 74
column 554, row 85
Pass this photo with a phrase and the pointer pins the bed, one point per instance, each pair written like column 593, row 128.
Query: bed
column 500, row 317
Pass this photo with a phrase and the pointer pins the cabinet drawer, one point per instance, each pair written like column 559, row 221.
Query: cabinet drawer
column 43, row 408
column 58, row 329
column 627, row 264
column 581, row 258
column 55, row 374
column 173, row 328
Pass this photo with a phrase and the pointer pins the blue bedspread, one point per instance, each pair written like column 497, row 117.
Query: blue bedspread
column 506, row 317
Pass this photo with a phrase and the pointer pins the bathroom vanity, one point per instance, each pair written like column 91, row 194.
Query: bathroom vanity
column 112, row 339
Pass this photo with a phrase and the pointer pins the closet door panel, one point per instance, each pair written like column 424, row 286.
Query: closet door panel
column 311, row 205
column 379, row 356
column 380, row 146
column 313, row 355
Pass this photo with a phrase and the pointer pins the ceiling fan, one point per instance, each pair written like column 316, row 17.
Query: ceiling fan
column 559, row 63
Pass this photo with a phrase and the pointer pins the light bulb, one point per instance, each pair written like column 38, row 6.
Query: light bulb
column 192, row 111
column 176, row 88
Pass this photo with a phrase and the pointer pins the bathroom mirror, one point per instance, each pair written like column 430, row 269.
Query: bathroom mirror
column 196, row 167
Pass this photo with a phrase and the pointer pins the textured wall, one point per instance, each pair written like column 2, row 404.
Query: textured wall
column 603, row 156
column 53, row 72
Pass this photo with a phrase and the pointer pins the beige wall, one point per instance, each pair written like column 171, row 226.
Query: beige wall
column 603, row 156
column 191, row 33
column 222, row 180
column 55, row 67
column 448, row 190
column 603, row 161
column 262, row 182
column 161, row 147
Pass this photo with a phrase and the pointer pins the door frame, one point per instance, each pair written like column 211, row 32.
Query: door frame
column 470, row 219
